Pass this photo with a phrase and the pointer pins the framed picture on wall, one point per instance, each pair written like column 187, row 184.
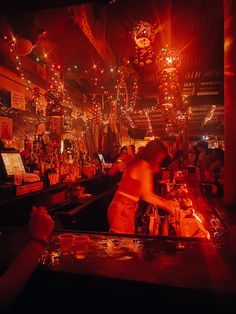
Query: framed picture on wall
column 5, row 128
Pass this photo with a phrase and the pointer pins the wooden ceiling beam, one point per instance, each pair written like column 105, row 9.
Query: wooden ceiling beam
column 206, row 100
column 94, row 31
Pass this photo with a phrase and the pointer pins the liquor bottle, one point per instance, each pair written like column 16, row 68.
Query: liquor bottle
column 36, row 167
column 27, row 143
column 35, row 144
column 42, row 168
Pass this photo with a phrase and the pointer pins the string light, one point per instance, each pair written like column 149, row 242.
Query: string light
column 150, row 130
column 11, row 44
column 209, row 115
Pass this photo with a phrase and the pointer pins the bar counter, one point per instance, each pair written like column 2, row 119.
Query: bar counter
column 191, row 274
column 132, row 270
column 59, row 200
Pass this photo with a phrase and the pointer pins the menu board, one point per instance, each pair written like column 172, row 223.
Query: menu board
column 17, row 100
column 13, row 163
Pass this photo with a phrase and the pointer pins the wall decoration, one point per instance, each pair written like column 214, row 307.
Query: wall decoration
column 5, row 128
column 17, row 100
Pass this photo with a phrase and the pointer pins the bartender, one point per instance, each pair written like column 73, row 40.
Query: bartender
column 137, row 184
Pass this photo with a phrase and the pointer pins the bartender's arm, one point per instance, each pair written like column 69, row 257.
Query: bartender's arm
column 148, row 195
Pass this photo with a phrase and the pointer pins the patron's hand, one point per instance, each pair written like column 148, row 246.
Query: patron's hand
column 41, row 224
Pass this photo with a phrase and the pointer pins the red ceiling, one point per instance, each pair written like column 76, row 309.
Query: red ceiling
column 196, row 29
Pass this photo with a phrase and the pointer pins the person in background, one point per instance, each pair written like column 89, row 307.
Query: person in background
column 120, row 163
column 133, row 148
column 221, row 177
column 137, row 184
column 140, row 148
column 177, row 162
column 209, row 157
column 160, row 175
column 111, row 157
column 214, row 174
column 202, row 147
column 192, row 156
column 167, row 161
column 217, row 159
column 13, row 280
column 217, row 163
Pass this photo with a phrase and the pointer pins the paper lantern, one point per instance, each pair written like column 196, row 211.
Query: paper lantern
column 23, row 46
column 143, row 34
column 168, row 60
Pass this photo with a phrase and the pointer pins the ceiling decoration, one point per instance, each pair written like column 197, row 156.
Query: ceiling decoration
column 99, row 34
column 143, row 34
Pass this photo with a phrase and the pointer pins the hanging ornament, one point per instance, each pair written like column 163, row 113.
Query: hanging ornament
column 168, row 60
column 54, row 100
column 23, row 46
column 143, row 34
column 173, row 105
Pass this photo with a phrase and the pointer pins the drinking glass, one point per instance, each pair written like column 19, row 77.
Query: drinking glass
column 80, row 246
column 66, row 242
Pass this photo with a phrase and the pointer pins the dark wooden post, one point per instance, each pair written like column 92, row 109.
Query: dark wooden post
column 230, row 102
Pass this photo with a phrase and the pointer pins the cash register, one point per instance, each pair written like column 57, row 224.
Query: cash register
column 11, row 164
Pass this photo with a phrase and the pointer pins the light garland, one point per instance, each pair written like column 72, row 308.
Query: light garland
column 11, row 44
column 209, row 115
column 150, row 130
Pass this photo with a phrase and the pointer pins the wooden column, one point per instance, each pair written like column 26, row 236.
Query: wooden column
column 230, row 102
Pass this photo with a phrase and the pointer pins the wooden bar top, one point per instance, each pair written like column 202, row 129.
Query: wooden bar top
column 147, row 266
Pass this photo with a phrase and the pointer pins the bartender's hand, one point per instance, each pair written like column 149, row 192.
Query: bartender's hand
column 173, row 207
column 41, row 224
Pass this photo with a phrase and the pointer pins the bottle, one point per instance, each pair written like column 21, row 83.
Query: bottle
column 42, row 168
column 36, row 168
column 35, row 144
column 26, row 143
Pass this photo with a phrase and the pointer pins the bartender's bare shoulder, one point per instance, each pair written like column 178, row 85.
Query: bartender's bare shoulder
column 139, row 169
